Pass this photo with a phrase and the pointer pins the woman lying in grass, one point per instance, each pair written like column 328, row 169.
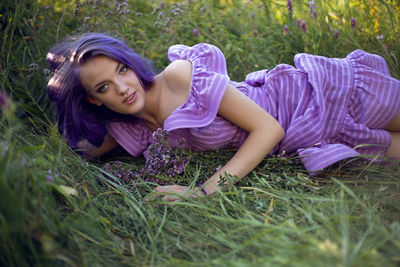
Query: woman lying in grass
column 322, row 110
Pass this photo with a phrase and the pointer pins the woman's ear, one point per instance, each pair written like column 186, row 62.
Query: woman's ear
column 93, row 100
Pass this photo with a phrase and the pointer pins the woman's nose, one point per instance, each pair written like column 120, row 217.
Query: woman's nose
column 122, row 87
column 122, row 90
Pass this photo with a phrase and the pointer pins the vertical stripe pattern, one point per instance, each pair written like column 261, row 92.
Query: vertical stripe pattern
column 328, row 107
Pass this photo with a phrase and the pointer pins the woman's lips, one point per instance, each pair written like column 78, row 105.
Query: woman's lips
column 130, row 99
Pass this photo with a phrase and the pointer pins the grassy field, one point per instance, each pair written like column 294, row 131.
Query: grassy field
column 57, row 209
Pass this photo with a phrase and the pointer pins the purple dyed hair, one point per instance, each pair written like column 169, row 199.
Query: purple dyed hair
column 77, row 118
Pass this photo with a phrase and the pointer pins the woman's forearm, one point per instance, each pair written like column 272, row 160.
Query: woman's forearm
column 257, row 145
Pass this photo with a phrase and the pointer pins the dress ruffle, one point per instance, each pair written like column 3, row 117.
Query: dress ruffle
column 209, row 81
column 369, row 99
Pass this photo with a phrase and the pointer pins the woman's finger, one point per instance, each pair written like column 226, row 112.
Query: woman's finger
column 163, row 189
column 170, row 198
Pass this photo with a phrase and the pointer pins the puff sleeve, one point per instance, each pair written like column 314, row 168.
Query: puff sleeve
column 134, row 137
column 208, row 85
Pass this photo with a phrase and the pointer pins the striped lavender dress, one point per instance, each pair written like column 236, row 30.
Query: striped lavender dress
column 330, row 108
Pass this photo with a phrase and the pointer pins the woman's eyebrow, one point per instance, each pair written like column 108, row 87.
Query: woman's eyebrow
column 116, row 70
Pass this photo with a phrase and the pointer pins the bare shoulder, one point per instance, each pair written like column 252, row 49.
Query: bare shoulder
column 178, row 75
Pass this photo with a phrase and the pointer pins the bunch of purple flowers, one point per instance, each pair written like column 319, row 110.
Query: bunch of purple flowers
column 162, row 159
column 127, row 176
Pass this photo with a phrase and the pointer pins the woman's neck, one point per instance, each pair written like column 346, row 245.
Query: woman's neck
column 151, row 109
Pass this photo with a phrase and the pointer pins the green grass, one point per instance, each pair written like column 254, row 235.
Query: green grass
column 347, row 215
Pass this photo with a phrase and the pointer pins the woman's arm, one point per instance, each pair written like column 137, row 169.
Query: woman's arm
column 264, row 133
column 91, row 152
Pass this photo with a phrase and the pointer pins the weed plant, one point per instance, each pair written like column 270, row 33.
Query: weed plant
column 57, row 209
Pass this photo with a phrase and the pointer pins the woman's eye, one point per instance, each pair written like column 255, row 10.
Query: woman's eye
column 102, row 88
column 123, row 69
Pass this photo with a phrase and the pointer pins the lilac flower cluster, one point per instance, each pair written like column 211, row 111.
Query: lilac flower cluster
column 169, row 14
column 285, row 29
column 50, row 176
column 177, row 9
column 163, row 18
column 122, row 8
column 381, row 38
column 313, row 8
column 301, row 24
column 353, row 23
column 162, row 159
column 127, row 176
column 92, row 9
column 33, row 67
column 336, row 34
column 289, row 6
column 158, row 8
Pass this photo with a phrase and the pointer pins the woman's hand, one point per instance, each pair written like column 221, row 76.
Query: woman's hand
column 175, row 192
column 91, row 152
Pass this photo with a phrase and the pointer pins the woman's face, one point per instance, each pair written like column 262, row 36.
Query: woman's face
column 112, row 84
